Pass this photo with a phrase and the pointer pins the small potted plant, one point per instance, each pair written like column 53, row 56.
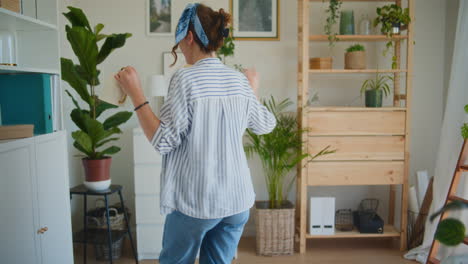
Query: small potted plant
column 280, row 152
column 355, row 57
column 92, row 135
column 392, row 19
column 374, row 89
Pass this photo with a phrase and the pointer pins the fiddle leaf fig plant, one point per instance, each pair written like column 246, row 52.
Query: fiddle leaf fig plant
column 93, row 135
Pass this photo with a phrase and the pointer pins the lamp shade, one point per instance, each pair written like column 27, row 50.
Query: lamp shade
column 157, row 85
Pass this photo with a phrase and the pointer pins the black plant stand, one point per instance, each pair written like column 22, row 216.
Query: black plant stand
column 84, row 237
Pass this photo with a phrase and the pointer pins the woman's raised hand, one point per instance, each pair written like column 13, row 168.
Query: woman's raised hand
column 129, row 81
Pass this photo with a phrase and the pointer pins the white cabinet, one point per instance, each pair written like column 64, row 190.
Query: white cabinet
column 34, row 195
column 149, row 222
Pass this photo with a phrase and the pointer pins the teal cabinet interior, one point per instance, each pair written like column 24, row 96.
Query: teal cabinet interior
column 26, row 99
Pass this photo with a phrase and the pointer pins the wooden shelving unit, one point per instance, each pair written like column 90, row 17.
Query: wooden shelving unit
column 372, row 143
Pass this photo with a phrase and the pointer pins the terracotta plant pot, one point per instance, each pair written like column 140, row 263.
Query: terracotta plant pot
column 355, row 60
column 97, row 173
column 321, row 63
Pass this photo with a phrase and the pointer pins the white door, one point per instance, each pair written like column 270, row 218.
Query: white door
column 54, row 198
column 18, row 219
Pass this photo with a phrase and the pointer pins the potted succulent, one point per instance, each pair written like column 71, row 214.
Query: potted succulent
column 374, row 89
column 92, row 135
column 355, row 57
column 280, row 153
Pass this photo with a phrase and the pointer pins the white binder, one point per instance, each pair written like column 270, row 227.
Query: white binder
column 316, row 217
column 328, row 211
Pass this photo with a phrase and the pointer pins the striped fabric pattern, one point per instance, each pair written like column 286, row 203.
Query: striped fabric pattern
column 204, row 169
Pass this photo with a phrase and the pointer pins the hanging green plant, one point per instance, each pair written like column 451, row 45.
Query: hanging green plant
column 392, row 19
column 333, row 12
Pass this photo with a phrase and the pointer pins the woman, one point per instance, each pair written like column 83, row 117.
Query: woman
column 206, row 189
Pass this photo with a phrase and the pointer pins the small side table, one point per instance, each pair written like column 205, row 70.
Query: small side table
column 84, row 237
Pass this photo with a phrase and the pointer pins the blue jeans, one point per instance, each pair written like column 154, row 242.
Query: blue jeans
column 217, row 239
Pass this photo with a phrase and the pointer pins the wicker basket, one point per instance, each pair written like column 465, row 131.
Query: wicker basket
column 97, row 218
column 102, row 251
column 275, row 229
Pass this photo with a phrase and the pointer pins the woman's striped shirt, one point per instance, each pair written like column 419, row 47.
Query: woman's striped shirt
column 204, row 168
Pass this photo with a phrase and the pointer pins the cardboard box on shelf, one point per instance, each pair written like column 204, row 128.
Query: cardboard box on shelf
column 12, row 5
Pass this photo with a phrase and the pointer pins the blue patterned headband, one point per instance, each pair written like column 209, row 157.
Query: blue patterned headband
column 190, row 15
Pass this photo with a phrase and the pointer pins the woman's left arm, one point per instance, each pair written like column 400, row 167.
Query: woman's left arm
column 131, row 85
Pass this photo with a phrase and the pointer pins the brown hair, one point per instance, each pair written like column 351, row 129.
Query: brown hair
column 213, row 24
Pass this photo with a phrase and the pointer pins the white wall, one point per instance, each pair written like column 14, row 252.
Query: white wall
column 277, row 63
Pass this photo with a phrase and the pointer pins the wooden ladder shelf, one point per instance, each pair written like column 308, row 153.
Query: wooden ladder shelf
column 451, row 197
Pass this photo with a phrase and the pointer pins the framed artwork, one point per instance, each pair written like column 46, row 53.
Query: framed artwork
column 168, row 59
column 159, row 16
column 255, row 19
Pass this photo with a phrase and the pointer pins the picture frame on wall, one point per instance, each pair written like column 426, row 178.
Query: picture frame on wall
column 159, row 17
column 255, row 19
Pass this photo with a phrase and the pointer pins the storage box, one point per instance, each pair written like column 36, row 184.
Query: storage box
column 322, row 216
column 18, row 131
column 321, row 63
column 12, row 5
column 26, row 99
column 368, row 222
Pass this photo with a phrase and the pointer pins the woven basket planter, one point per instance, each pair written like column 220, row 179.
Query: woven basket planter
column 355, row 60
column 275, row 229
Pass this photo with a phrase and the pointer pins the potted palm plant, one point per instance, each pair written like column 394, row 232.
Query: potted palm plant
column 280, row 152
column 92, row 135
column 374, row 89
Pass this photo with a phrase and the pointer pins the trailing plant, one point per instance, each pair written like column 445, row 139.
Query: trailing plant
column 379, row 83
column 464, row 129
column 83, row 77
column 355, row 47
column 450, row 231
column 333, row 11
column 387, row 17
column 280, row 151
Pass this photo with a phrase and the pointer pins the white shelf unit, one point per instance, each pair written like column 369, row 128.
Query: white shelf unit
column 37, row 39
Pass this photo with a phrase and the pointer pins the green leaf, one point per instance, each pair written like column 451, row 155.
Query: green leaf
column 98, row 28
column 112, row 42
column 100, row 144
column 73, row 99
column 464, row 131
column 70, row 75
column 83, row 43
column 117, row 119
column 466, row 108
column 81, row 148
column 80, row 118
column 110, row 132
column 450, row 232
column 95, row 130
column 83, row 140
column 77, row 18
column 103, row 106
column 108, row 151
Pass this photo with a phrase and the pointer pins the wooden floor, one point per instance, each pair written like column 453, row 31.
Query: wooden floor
column 349, row 251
